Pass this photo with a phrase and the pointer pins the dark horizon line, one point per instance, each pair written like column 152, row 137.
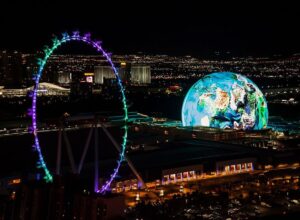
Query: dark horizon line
column 222, row 54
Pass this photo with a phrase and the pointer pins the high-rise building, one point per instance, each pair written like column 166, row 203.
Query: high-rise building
column 61, row 201
column 136, row 74
column 140, row 75
column 101, row 73
column 30, row 67
column 11, row 69
column 124, row 72
column 64, row 78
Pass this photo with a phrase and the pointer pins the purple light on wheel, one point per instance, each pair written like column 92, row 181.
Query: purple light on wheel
column 34, row 94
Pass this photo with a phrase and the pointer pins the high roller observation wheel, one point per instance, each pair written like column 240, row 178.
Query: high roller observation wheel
column 86, row 38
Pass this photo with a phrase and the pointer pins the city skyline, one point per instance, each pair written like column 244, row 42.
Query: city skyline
column 149, row 110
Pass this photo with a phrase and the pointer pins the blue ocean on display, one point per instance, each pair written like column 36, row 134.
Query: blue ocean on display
column 225, row 100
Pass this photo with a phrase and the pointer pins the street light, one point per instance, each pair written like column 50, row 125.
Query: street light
column 161, row 193
column 181, row 189
column 137, row 197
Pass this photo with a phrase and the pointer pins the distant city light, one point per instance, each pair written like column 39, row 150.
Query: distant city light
column 89, row 74
column 89, row 79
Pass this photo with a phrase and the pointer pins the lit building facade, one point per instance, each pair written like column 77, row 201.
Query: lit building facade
column 136, row 75
column 64, row 78
column 235, row 166
column 180, row 174
column 140, row 74
column 103, row 72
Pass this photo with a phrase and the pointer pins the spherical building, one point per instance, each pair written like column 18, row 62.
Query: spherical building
column 225, row 100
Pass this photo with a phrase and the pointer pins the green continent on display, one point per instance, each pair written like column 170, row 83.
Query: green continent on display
column 225, row 100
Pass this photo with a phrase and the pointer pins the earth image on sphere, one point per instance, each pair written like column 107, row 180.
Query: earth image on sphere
column 225, row 100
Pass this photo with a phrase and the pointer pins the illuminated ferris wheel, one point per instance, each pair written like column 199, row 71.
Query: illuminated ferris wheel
column 57, row 42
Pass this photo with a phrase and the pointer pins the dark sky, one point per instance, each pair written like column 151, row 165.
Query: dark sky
column 169, row 27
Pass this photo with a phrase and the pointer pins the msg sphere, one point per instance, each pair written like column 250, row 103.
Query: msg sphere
column 225, row 100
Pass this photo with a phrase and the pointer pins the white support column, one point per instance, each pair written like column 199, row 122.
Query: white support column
column 58, row 153
column 69, row 151
column 130, row 164
column 86, row 146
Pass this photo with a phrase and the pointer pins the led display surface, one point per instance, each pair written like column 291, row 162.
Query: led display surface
column 225, row 100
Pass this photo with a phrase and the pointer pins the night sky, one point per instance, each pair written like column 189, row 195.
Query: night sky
column 169, row 27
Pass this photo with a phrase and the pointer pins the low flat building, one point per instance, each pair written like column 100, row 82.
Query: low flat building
column 235, row 166
column 180, row 174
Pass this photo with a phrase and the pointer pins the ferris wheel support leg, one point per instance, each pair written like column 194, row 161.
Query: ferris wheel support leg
column 130, row 164
column 86, row 147
column 69, row 151
column 96, row 181
column 58, row 155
